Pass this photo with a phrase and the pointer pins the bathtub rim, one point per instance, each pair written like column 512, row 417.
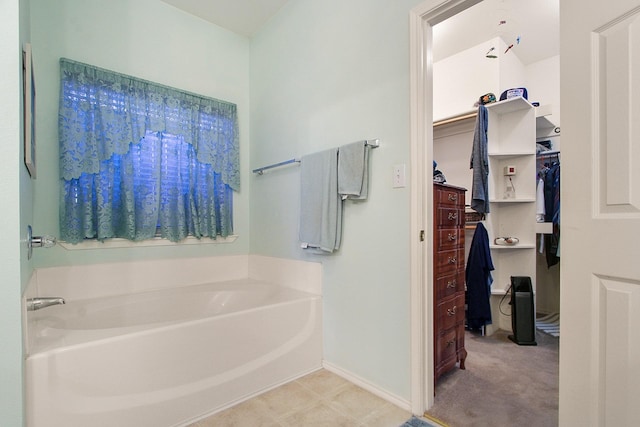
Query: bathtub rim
column 74, row 338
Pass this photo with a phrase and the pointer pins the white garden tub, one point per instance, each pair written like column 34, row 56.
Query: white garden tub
column 167, row 357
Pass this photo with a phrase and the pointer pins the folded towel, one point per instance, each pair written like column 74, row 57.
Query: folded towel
column 353, row 171
column 320, row 204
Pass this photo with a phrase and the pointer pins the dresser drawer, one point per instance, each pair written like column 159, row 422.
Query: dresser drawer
column 449, row 217
column 450, row 312
column 446, row 350
column 448, row 285
column 446, row 262
column 448, row 196
column 449, row 238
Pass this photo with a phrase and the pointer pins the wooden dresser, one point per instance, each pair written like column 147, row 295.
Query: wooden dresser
column 448, row 277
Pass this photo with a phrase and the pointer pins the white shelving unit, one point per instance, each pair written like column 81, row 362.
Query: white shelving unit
column 511, row 142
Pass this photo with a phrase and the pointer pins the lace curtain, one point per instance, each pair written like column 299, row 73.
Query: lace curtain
column 137, row 158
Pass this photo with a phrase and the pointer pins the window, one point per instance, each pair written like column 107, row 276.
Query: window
column 138, row 159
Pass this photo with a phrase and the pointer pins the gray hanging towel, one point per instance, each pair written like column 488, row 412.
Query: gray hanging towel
column 320, row 203
column 353, row 171
column 480, row 163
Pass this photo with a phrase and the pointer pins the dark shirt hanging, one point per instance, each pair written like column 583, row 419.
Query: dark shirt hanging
column 552, row 212
column 478, row 278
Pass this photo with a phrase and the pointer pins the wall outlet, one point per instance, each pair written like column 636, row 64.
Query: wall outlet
column 509, row 170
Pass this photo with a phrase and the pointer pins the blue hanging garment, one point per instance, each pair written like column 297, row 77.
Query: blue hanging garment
column 478, row 278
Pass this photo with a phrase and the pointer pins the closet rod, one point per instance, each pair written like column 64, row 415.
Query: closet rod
column 455, row 119
column 550, row 153
column 373, row 143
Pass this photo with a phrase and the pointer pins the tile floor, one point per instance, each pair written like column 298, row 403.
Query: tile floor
column 320, row 399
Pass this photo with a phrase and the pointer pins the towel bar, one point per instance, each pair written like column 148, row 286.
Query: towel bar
column 373, row 143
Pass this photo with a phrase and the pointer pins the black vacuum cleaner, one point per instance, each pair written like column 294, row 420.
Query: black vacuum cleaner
column 522, row 311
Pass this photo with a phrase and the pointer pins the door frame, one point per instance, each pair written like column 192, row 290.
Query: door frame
column 422, row 19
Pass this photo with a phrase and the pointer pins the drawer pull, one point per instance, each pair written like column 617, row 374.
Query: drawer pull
column 452, row 237
column 451, row 284
column 452, row 260
column 452, row 216
column 450, row 343
column 453, row 197
column 451, row 311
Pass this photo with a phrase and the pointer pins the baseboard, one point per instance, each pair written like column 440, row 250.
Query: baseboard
column 383, row 394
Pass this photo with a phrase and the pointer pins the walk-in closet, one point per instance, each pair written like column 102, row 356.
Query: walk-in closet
column 516, row 48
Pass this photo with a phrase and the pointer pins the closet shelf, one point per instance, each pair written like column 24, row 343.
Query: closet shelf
column 500, row 292
column 542, row 122
column 518, row 246
column 509, row 105
column 517, row 200
column 507, row 154
column 543, row 110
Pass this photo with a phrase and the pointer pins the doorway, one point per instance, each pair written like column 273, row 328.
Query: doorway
column 423, row 20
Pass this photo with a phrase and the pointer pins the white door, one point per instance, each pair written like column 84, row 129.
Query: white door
column 600, row 224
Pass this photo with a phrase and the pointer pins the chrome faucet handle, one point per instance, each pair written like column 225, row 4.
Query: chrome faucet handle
column 44, row 241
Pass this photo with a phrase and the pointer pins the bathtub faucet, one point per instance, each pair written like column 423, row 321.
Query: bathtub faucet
column 42, row 302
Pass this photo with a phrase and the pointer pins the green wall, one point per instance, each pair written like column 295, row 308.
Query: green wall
column 323, row 74
column 16, row 193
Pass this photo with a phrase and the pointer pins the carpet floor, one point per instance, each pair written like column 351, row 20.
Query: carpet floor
column 504, row 384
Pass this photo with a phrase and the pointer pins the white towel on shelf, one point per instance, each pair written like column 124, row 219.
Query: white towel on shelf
column 353, row 171
column 320, row 203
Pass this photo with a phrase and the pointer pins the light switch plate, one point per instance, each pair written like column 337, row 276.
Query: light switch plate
column 399, row 176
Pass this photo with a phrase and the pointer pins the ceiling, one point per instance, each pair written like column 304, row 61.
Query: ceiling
column 243, row 17
column 536, row 22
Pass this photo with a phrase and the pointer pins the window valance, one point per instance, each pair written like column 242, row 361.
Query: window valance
column 120, row 110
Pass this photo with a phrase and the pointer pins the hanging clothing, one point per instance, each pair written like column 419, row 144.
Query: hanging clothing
column 479, row 280
column 552, row 191
column 480, row 163
column 540, row 204
column 552, row 213
column 540, row 208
